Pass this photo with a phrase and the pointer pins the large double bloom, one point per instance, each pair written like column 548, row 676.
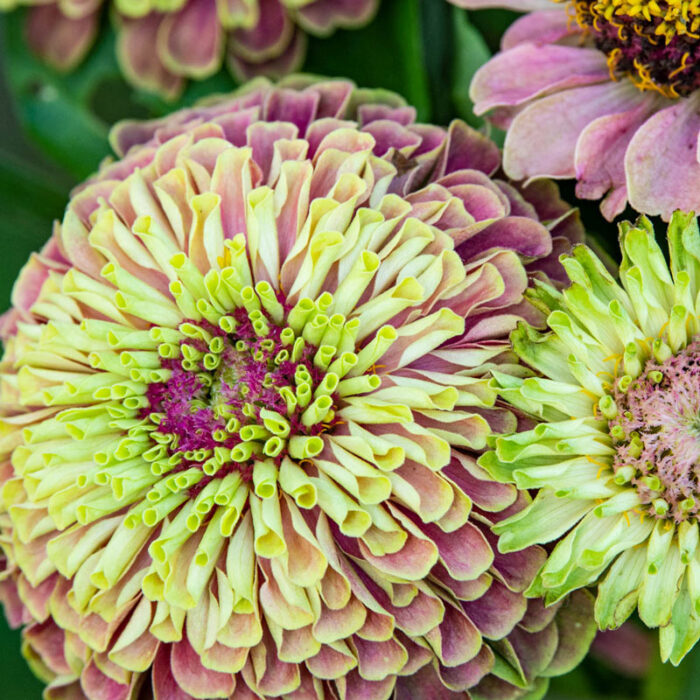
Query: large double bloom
column 605, row 91
column 244, row 389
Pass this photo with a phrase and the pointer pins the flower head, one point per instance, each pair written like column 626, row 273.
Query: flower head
column 614, row 451
column 618, row 85
column 245, row 386
column 162, row 44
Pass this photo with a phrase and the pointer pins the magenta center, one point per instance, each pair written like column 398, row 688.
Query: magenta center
column 200, row 408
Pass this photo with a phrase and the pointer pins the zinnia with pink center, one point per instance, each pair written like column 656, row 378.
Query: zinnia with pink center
column 244, row 389
column 604, row 92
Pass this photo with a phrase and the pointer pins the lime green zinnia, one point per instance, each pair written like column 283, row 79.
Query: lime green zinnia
column 615, row 456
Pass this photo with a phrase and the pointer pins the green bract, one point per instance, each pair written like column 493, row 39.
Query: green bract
column 615, row 453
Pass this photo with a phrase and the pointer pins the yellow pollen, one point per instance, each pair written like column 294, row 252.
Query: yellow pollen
column 682, row 67
column 655, row 21
column 602, row 465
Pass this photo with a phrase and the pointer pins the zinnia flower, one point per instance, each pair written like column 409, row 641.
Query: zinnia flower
column 615, row 451
column 162, row 44
column 606, row 91
column 245, row 385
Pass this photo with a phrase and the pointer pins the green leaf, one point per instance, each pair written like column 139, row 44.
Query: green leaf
column 673, row 683
column 54, row 109
column 492, row 23
column 29, row 202
column 471, row 52
column 438, row 48
column 18, row 682
column 387, row 53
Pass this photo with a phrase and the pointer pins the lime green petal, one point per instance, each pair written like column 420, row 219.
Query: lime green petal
column 680, row 635
column 544, row 520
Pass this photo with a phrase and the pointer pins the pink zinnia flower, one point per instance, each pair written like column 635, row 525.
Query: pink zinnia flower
column 606, row 92
column 162, row 44
column 244, row 389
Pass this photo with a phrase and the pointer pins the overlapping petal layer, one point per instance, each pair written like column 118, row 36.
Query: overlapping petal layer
column 160, row 45
column 604, row 92
column 244, row 390
column 613, row 455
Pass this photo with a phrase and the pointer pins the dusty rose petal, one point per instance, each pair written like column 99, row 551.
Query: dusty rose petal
column 663, row 160
column 191, row 42
column 98, row 686
column 194, row 678
column 545, row 27
column 530, row 151
column 600, row 154
column 468, row 674
column 323, row 16
column 531, row 70
column 270, row 36
column 136, row 39
column 58, row 39
column 289, row 60
column 426, row 685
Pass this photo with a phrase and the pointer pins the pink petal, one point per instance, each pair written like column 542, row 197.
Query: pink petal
column 47, row 639
column 538, row 616
column 456, row 640
column 139, row 61
column 268, row 38
column 663, row 160
column 542, row 139
column 466, row 148
column 425, row 685
column 287, row 61
column 323, row 16
column 534, row 650
column 497, row 612
column 468, row 674
column 64, row 689
column 334, row 95
column 600, row 154
column 354, row 687
column 193, row 678
column 531, row 70
column 190, row 42
column 165, row 687
column 98, row 686
column 59, row 40
column 377, row 660
column 545, row 27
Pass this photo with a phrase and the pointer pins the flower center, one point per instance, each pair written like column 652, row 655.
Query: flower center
column 655, row 44
column 657, row 430
column 235, row 395
column 243, row 394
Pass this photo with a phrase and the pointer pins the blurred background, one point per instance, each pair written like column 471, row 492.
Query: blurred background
column 53, row 133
